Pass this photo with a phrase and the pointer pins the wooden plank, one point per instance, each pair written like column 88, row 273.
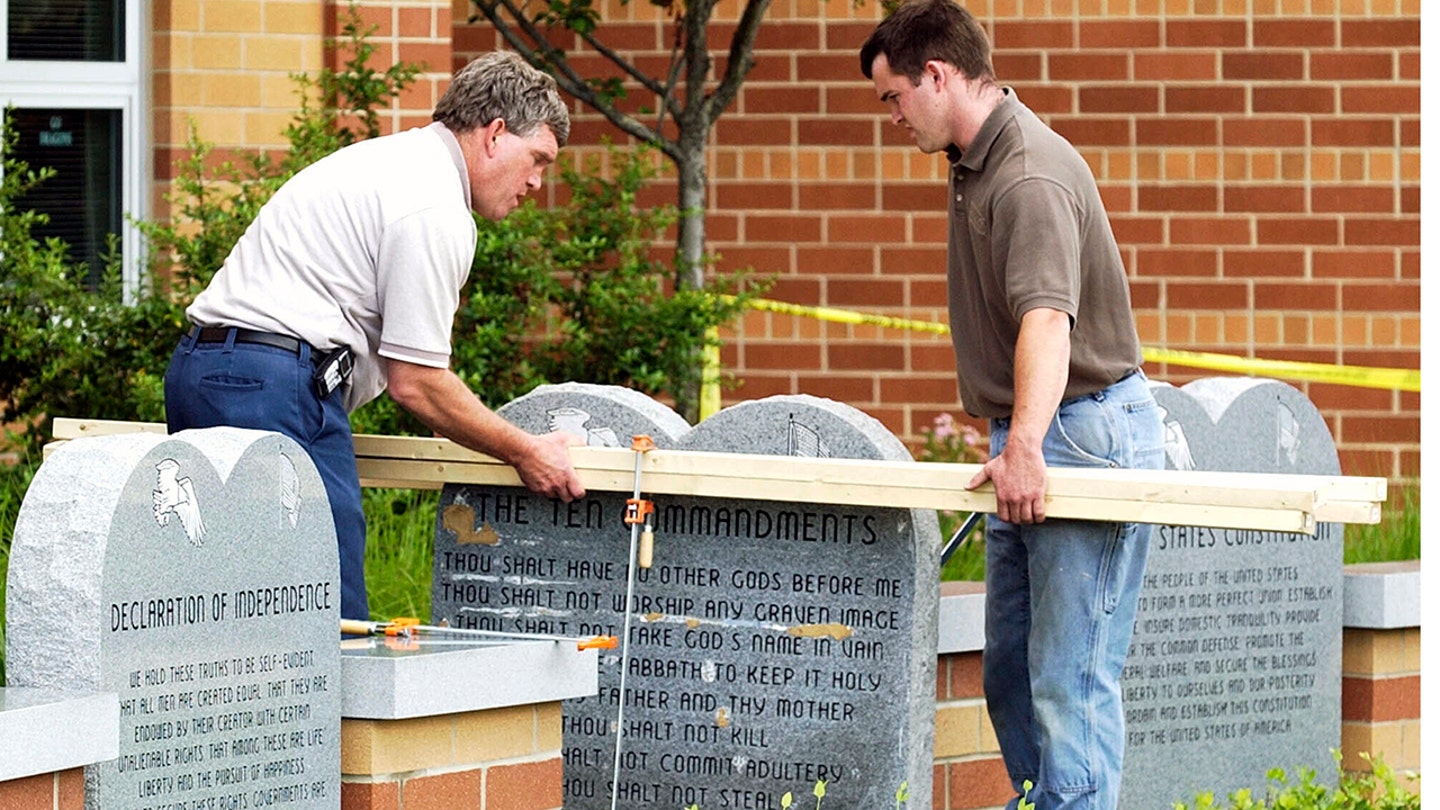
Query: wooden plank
column 1218, row 515
column 1219, row 499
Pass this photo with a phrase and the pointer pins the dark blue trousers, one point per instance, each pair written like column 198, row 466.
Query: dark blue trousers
column 265, row 388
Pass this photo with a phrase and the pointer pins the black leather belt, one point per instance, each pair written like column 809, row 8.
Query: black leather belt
column 220, row 334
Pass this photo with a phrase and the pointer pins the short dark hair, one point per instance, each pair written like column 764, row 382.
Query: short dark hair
column 503, row 85
column 921, row 30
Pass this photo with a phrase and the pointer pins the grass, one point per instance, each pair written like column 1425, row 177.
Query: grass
column 1395, row 537
column 400, row 539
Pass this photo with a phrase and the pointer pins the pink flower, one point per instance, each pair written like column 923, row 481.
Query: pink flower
column 944, row 426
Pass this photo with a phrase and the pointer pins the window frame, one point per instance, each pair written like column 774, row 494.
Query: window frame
column 119, row 86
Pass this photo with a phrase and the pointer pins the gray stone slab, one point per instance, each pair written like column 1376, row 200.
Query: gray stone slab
column 195, row 576
column 772, row 645
column 1383, row 596
column 384, row 679
column 47, row 730
column 1235, row 664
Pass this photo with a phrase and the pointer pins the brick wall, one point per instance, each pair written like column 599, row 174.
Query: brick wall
column 1380, row 697
column 1260, row 162
column 1261, row 168
column 496, row 759
column 62, row 790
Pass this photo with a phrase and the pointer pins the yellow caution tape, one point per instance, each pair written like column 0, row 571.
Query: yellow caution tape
column 1399, row 379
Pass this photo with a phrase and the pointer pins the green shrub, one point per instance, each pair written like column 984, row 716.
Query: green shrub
column 1379, row 789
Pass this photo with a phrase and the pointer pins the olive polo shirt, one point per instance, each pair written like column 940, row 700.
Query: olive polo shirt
column 1027, row 229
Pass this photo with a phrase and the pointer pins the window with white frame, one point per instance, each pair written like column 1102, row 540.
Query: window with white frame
column 71, row 72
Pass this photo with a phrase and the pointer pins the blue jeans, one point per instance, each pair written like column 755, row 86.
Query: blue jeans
column 261, row 387
column 1060, row 601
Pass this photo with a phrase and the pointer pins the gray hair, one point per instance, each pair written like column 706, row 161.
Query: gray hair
column 501, row 84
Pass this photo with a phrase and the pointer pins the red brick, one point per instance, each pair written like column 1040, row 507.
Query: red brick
column 1380, row 33
column 1120, row 99
column 1209, row 99
column 761, row 260
column 899, row 261
column 1176, row 131
column 845, row 36
column 1348, row 397
column 837, row 197
column 1093, row 131
column 965, row 676
column 1209, row 231
column 1353, row 264
column 856, row 100
column 442, row 792
column 832, row 261
column 828, row 67
column 1387, row 358
column 70, row 789
column 851, row 389
column 866, row 293
column 759, row 386
column 1095, row 67
column 1380, row 99
column 1320, row 296
column 932, row 357
column 1203, row 33
column 804, row 291
column 928, row 293
column 734, row 130
column 782, row 355
column 752, row 194
column 1265, row 66
column 837, row 132
column 1392, row 297
column 1263, row 264
column 978, row 783
column 1386, row 231
column 897, row 389
column 1299, row 231
column 1351, row 199
column 1021, row 35
column 780, row 35
column 929, row 196
column 525, row 786
column 1117, row 198
column 1174, row 262
column 1353, row 131
column 1262, row 132
column 1011, row 66
column 628, row 36
column 1352, row 65
column 1264, row 199
column 788, row 228
column 1176, row 66
column 866, row 356
column 369, row 796
column 1410, row 265
column 1145, row 230
column 1409, row 132
column 776, row 100
column 1410, row 65
column 1293, row 32
column 1121, row 33
column 1047, row 99
column 868, row 229
column 1177, row 197
column 1144, row 294
column 1224, row 295
column 1379, row 429
column 1316, row 100
column 28, row 793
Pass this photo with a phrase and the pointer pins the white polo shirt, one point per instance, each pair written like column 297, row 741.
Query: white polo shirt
column 367, row 248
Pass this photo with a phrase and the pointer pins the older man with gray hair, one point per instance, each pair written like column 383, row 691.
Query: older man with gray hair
column 346, row 285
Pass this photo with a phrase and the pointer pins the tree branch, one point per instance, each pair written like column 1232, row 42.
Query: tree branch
column 544, row 56
column 742, row 59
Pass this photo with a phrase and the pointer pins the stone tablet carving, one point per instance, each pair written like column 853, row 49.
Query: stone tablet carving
column 1235, row 664
column 773, row 646
column 197, row 577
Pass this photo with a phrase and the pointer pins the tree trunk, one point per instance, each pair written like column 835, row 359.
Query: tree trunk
column 690, row 247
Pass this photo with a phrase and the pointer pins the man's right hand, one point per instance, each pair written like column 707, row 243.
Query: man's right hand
column 547, row 469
